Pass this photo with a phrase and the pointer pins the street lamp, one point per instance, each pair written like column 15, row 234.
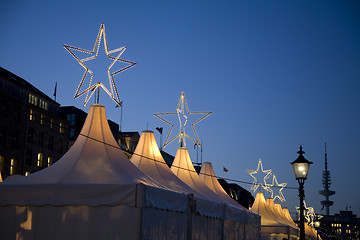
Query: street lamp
column 301, row 168
column 317, row 225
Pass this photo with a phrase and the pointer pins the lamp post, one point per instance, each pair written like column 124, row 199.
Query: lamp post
column 301, row 168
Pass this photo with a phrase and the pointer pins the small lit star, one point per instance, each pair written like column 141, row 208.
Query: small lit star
column 309, row 214
column 255, row 185
column 113, row 93
column 280, row 187
column 182, row 111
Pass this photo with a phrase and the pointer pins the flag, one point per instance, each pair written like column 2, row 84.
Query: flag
column 160, row 129
column 55, row 90
column 225, row 170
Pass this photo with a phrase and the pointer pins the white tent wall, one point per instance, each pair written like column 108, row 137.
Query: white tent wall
column 149, row 216
column 69, row 222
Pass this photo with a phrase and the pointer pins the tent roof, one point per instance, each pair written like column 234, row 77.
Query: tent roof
column 95, row 158
column 268, row 216
column 207, row 176
column 288, row 218
column 183, row 168
column 148, row 159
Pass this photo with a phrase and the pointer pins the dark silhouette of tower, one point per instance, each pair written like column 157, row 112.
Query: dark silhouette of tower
column 326, row 184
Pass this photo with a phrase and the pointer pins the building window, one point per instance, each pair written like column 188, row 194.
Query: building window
column 13, row 164
column 41, row 139
column 2, row 163
column 51, row 142
column 30, row 137
column 39, row 160
column 61, row 129
column 42, row 119
column 27, row 173
column 31, row 116
column 43, row 104
column 32, row 99
column 51, row 123
column 50, row 161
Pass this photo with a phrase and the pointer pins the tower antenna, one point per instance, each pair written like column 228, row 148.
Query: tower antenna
column 326, row 180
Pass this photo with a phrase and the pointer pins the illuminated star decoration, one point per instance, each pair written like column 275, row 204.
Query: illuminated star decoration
column 309, row 214
column 113, row 93
column 182, row 111
column 279, row 186
column 255, row 185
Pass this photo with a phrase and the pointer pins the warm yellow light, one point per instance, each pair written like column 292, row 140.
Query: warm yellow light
column 50, row 161
column 181, row 110
column 113, row 93
column 13, row 166
column 280, row 187
column 255, row 185
column 39, row 161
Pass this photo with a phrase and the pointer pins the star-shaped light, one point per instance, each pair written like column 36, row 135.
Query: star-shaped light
column 182, row 111
column 309, row 214
column 255, row 185
column 280, row 187
column 113, row 93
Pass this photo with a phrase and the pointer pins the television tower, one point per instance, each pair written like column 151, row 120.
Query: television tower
column 326, row 180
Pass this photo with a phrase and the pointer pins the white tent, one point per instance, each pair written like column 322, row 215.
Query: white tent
column 273, row 224
column 92, row 192
column 95, row 192
column 148, row 159
column 183, row 168
column 95, row 158
column 207, row 176
column 288, row 218
column 235, row 218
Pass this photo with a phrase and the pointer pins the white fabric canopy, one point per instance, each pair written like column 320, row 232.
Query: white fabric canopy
column 183, row 168
column 94, row 184
column 268, row 216
column 148, row 159
column 289, row 219
column 207, row 176
column 274, row 225
column 95, row 158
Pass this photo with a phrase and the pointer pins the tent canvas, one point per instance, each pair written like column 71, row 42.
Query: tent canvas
column 273, row 224
column 95, row 192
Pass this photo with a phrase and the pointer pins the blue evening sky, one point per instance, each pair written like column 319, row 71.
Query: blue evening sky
column 275, row 74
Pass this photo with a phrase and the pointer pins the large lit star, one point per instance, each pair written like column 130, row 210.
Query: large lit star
column 113, row 93
column 255, row 185
column 182, row 111
column 280, row 187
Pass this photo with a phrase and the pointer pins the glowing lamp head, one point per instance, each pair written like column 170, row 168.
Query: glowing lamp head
column 301, row 165
column 317, row 223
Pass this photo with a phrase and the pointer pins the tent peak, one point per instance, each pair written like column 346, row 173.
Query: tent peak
column 147, row 131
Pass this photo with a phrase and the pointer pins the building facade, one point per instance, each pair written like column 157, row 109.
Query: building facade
column 32, row 133
column 343, row 225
